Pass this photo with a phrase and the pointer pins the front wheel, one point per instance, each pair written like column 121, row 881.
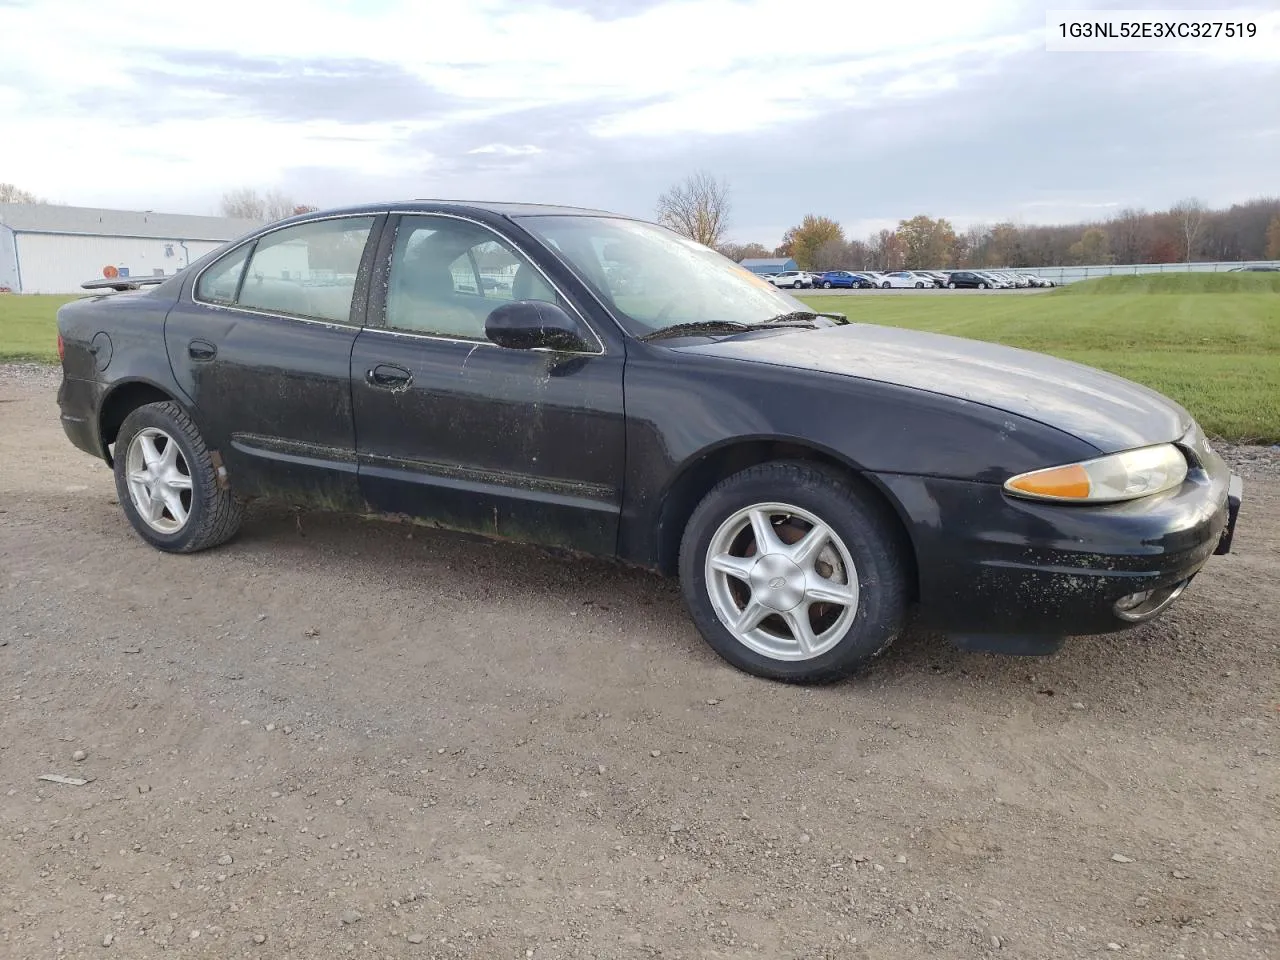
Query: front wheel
column 919, row 286
column 982, row 286
column 885, row 285
column 167, row 484
column 791, row 573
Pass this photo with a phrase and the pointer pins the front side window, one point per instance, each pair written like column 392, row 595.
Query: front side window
column 308, row 270
column 654, row 278
column 448, row 275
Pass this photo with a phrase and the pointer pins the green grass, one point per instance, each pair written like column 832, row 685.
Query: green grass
column 27, row 327
column 1209, row 341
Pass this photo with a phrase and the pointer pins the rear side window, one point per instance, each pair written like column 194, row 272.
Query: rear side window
column 308, row 271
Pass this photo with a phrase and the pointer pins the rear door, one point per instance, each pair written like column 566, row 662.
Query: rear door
column 262, row 346
column 455, row 430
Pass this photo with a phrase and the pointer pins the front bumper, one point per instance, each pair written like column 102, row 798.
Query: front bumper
column 993, row 566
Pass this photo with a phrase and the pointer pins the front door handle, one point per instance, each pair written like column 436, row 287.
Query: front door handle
column 201, row 350
column 389, row 377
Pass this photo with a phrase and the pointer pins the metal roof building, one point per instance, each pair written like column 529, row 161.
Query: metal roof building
column 768, row 264
column 53, row 249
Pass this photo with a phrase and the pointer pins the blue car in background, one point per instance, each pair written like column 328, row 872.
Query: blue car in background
column 843, row 278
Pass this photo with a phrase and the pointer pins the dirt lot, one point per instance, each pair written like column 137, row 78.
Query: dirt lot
column 340, row 738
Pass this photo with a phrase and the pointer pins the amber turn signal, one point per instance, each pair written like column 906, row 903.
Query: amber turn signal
column 1068, row 483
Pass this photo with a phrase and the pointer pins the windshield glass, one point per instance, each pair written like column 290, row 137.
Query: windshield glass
column 654, row 278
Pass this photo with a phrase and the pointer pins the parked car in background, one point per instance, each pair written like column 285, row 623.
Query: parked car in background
column 969, row 280
column 1255, row 268
column 1039, row 281
column 903, row 279
column 844, row 279
column 939, row 276
column 929, row 279
column 792, row 279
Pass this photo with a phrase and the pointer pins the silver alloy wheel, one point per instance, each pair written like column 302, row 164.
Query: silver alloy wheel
column 781, row 581
column 159, row 480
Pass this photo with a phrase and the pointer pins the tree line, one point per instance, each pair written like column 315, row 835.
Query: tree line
column 699, row 208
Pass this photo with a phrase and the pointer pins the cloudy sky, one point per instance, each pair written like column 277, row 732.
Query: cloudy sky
column 864, row 112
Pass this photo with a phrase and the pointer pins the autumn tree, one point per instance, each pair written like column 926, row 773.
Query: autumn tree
column 885, row 251
column 743, row 251
column 1092, row 247
column 1273, row 239
column 10, row 193
column 1129, row 231
column 698, row 208
column 245, row 203
column 802, row 242
column 831, row 255
column 927, row 242
column 1189, row 216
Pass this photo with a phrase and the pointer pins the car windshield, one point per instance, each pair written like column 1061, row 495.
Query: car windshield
column 654, row 278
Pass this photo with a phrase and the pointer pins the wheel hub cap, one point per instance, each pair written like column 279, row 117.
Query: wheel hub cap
column 781, row 581
column 777, row 583
column 159, row 480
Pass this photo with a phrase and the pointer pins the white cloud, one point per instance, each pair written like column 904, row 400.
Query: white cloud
column 507, row 150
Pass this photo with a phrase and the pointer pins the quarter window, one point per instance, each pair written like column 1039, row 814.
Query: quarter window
column 448, row 275
column 308, row 270
column 220, row 282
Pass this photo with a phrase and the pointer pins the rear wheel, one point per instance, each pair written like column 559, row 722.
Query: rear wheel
column 826, row 284
column 790, row 573
column 951, row 286
column 167, row 484
column 797, row 285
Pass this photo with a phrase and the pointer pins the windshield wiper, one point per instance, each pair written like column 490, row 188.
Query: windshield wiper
column 807, row 315
column 798, row 319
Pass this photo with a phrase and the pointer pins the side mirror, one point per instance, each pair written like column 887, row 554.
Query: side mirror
column 530, row 324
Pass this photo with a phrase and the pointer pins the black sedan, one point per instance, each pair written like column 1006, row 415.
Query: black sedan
column 809, row 480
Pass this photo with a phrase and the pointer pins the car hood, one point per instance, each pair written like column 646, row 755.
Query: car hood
column 1107, row 411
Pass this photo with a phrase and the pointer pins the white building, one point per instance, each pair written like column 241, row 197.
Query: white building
column 51, row 249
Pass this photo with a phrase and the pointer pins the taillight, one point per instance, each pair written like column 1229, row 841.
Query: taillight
column 62, row 349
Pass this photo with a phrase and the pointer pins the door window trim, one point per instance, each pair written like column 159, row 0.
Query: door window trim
column 356, row 316
column 377, row 321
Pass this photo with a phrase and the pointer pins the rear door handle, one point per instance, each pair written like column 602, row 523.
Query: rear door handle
column 201, row 350
column 389, row 376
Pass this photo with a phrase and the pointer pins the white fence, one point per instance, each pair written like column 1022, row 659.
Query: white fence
column 1061, row 275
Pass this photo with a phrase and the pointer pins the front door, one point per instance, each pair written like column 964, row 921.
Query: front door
column 455, row 430
column 263, row 349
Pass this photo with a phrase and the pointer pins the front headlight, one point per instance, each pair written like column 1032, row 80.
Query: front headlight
column 1118, row 476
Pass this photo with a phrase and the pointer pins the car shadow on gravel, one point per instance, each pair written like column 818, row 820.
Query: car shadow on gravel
column 1166, row 654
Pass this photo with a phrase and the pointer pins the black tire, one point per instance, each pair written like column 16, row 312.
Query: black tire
column 868, row 531
column 982, row 286
column 919, row 285
column 797, row 285
column 951, row 286
column 214, row 515
column 826, row 284
column 886, row 285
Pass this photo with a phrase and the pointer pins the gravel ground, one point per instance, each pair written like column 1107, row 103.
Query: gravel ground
column 341, row 738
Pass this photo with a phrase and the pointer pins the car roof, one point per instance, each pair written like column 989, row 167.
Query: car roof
column 500, row 208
